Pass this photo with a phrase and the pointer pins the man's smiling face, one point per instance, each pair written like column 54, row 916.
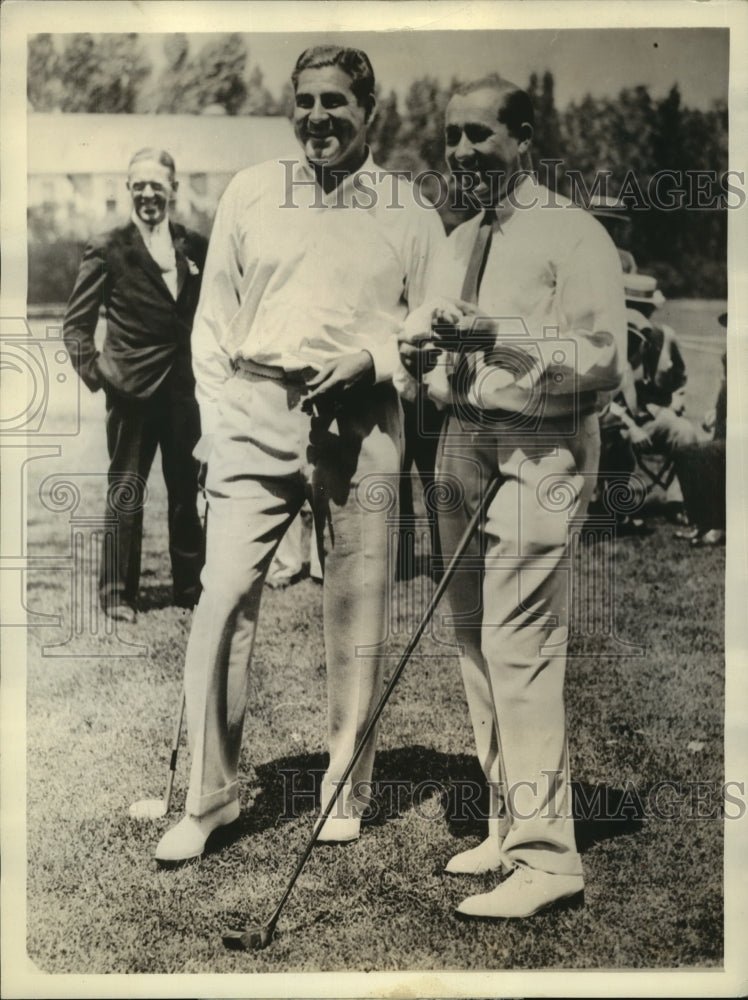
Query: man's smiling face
column 151, row 188
column 479, row 149
column 329, row 122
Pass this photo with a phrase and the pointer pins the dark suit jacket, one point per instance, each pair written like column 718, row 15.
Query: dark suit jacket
column 148, row 332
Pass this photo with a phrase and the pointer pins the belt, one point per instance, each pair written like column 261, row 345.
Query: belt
column 246, row 368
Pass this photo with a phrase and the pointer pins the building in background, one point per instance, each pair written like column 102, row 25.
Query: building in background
column 75, row 162
column 77, row 176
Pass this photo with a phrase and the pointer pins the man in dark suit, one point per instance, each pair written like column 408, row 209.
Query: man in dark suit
column 147, row 277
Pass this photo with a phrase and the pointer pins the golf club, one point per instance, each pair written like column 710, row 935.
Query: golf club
column 257, row 936
column 156, row 808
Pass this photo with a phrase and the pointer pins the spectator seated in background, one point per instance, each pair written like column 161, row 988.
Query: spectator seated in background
column 701, row 469
column 646, row 416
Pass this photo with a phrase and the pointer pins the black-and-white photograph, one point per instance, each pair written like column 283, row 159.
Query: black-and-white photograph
column 373, row 542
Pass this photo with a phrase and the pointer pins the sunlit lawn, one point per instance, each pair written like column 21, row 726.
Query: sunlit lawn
column 99, row 728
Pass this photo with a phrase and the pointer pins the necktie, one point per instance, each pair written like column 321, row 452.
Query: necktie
column 451, row 374
column 467, row 364
column 478, row 258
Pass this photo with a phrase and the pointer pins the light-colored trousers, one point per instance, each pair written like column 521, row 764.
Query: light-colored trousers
column 267, row 456
column 511, row 613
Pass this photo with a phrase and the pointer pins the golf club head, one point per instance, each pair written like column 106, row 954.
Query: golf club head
column 251, row 939
column 148, row 809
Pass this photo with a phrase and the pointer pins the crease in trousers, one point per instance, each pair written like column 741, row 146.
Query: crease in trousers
column 267, row 457
column 510, row 607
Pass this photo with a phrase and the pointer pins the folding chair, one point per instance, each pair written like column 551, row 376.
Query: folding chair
column 659, row 469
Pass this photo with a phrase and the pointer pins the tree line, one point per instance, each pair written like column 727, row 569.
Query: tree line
column 635, row 143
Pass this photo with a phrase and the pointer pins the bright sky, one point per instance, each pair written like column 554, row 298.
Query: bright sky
column 598, row 61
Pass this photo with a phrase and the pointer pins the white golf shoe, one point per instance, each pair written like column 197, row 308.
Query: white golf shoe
column 486, row 857
column 188, row 838
column 339, row 830
column 525, row 892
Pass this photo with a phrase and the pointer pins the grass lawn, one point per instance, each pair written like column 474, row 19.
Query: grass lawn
column 99, row 728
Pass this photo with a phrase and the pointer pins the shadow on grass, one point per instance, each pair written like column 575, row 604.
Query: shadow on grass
column 440, row 787
column 602, row 812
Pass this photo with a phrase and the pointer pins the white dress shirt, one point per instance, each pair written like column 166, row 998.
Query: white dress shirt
column 295, row 277
column 552, row 284
column 159, row 245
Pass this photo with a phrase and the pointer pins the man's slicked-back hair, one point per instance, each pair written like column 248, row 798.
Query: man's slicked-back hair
column 354, row 62
column 158, row 156
column 516, row 106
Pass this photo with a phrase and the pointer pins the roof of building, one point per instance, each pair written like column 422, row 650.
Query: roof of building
column 103, row 144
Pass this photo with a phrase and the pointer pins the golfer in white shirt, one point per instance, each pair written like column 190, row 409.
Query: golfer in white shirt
column 546, row 314
column 310, row 274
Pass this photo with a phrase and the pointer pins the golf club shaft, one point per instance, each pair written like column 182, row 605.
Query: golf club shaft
column 182, row 701
column 462, row 545
column 174, row 752
column 180, row 717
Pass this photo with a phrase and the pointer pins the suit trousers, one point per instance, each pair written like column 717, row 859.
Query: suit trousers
column 135, row 428
column 510, row 607
column 267, row 457
column 702, row 471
